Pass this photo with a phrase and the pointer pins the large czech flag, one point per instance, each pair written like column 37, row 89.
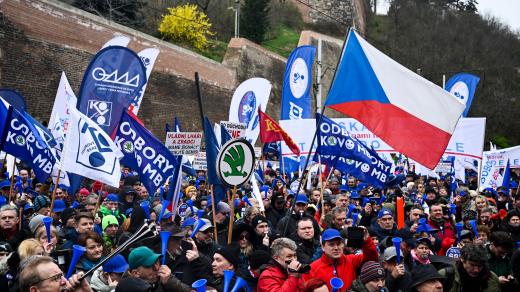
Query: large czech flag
column 410, row 113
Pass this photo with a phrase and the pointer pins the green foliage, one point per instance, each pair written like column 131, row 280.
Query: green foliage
column 186, row 24
column 282, row 40
column 501, row 141
column 254, row 19
column 125, row 12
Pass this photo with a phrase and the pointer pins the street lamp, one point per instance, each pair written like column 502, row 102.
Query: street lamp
column 237, row 17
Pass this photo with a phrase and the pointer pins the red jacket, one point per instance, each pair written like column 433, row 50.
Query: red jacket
column 446, row 233
column 346, row 266
column 275, row 279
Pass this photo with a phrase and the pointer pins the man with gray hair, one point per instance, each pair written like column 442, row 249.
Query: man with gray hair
column 9, row 226
column 283, row 272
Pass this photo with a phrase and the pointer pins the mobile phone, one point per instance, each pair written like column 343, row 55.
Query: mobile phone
column 355, row 237
column 186, row 245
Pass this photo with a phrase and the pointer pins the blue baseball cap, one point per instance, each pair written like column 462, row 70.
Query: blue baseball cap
column 5, row 184
column 384, row 212
column 117, row 264
column 301, row 198
column 354, row 195
column 112, row 198
column 343, row 188
column 190, row 221
column 59, row 206
column 330, row 234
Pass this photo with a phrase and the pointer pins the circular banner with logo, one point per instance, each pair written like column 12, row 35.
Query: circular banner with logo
column 235, row 162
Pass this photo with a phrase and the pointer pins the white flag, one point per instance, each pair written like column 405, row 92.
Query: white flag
column 89, row 151
column 148, row 56
column 65, row 98
column 11, row 164
column 119, row 40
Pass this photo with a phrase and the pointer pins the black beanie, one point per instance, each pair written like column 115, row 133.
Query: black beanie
column 230, row 254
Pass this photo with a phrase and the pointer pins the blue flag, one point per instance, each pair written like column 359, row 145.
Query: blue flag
column 14, row 98
column 297, row 84
column 224, row 135
column 112, row 80
column 144, row 153
column 176, row 125
column 463, row 86
column 212, row 149
column 22, row 140
column 453, row 180
column 348, row 153
column 507, row 176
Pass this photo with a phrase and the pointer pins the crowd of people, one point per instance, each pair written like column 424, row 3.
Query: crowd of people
column 339, row 228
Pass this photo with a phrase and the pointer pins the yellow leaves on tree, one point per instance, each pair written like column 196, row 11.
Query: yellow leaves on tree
column 187, row 25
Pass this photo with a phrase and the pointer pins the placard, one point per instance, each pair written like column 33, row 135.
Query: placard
column 183, row 143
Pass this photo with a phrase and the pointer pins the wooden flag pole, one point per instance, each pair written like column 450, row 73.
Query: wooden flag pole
column 12, row 183
column 54, row 191
column 231, row 215
column 215, row 231
column 321, row 185
column 98, row 203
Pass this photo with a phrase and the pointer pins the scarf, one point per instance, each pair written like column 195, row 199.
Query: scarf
column 419, row 259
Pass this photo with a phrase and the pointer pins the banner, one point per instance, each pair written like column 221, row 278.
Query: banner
column 248, row 97
column 14, row 98
column 89, row 151
column 119, row 40
column 112, row 80
column 199, row 161
column 59, row 120
column 183, row 143
column 148, row 56
column 236, row 130
column 144, row 153
column 297, row 84
column 22, row 140
column 492, row 164
column 463, row 86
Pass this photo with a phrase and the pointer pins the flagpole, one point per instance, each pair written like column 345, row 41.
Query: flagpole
column 215, row 232
column 231, row 215
column 55, row 187
column 321, row 185
column 12, row 182
column 99, row 201
column 281, row 161
column 314, row 137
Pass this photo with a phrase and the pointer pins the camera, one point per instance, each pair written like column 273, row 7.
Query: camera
column 304, row 268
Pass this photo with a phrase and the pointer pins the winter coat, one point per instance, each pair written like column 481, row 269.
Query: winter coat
column 276, row 279
column 189, row 272
column 345, row 266
column 307, row 250
column 293, row 219
column 458, row 283
column 103, row 211
column 383, row 233
column 98, row 284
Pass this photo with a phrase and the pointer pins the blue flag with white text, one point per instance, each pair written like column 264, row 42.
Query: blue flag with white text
column 336, row 145
column 22, row 140
column 144, row 153
column 112, row 80
column 463, row 86
column 297, row 84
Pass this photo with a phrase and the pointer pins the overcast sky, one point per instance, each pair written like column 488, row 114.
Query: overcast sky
column 508, row 11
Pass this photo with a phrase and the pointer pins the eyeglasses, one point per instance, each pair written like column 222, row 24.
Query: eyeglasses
column 244, row 236
column 53, row 278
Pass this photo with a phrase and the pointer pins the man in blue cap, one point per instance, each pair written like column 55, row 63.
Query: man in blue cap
column 144, row 264
column 107, row 278
column 385, row 225
column 298, row 212
column 110, row 206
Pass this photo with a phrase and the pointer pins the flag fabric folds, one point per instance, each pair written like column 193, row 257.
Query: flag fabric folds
column 463, row 86
column 410, row 113
column 143, row 152
column 506, row 177
column 270, row 131
column 89, row 151
column 212, row 148
column 337, row 147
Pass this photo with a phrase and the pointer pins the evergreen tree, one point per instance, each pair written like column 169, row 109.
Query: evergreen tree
column 254, row 19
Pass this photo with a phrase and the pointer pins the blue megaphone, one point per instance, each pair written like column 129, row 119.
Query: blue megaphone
column 200, row 223
column 165, row 204
column 382, row 199
column 47, row 221
column 397, row 245
column 245, row 199
column 199, row 285
column 453, row 209
column 237, row 203
column 474, row 227
column 200, row 213
column 77, row 252
column 239, row 284
column 146, row 207
column 190, row 204
column 165, row 236
column 354, row 219
column 336, row 284
column 228, row 275
column 458, row 227
column 161, row 191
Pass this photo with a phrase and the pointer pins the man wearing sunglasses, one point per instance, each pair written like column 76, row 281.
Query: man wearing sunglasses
column 40, row 273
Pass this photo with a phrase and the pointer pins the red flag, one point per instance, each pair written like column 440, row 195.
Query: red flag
column 270, row 131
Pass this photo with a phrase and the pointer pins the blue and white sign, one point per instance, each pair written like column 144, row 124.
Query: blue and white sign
column 297, row 82
column 453, row 252
column 114, row 77
column 463, row 86
column 144, row 152
column 248, row 97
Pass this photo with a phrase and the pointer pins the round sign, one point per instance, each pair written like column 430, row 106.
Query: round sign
column 182, row 210
column 453, row 252
column 235, row 162
column 299, row 78
column 460, row 90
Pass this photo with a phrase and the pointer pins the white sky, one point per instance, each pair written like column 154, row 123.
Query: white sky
column 508, row 11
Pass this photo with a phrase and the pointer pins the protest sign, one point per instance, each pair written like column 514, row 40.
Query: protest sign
column 236, row 130
column 183, row 143
column 199, row 161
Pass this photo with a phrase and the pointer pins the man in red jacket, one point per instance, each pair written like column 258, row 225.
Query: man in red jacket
column 280, row 275
column 333, row 263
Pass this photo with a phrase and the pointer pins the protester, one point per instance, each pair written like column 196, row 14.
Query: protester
column 425, row 278
column 371, row 278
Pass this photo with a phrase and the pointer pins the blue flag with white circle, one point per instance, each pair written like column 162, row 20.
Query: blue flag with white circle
column 114, row 77
column 463, row 86
column 297, row 84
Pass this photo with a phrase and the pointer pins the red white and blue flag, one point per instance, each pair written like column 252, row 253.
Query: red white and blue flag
column 411, row 114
